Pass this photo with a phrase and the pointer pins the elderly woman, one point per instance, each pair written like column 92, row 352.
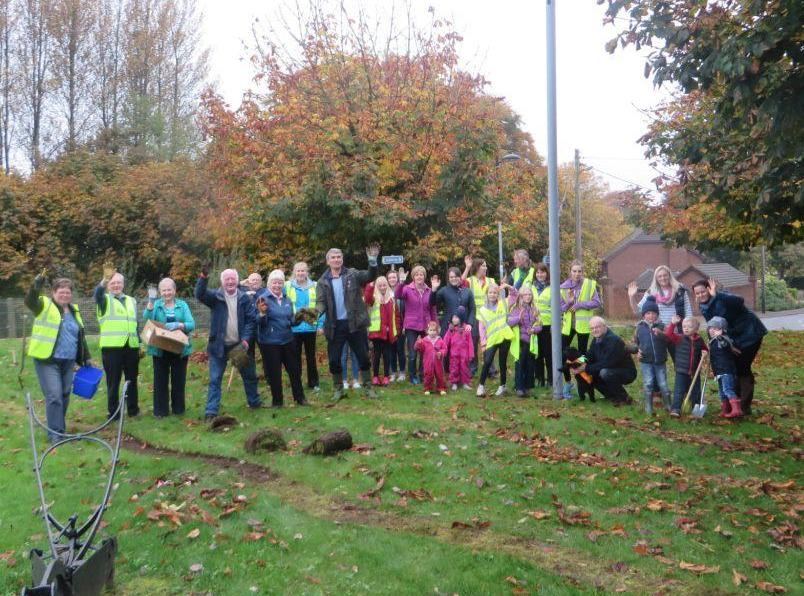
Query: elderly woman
column 275, row 339
column 744, row 328
column 579, row 300
column 671, row 297
column 174, row 314
column 57, row 343
column 415, row 298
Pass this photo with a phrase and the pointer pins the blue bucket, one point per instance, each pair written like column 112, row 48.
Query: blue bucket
column 86, row 381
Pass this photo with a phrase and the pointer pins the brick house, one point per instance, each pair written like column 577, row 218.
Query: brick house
column 733, row 280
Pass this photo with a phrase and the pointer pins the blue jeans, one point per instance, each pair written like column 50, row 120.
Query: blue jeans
column 726, row 385
column 56, row 380
column 217, row 366
column 346, row 355
column 654, row 373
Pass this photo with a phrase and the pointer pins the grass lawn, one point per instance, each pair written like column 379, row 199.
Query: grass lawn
column 441, row 495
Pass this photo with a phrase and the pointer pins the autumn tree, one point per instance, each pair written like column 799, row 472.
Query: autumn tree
column 734, row 131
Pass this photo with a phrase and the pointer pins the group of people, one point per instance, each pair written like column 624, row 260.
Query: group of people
column 445, row 334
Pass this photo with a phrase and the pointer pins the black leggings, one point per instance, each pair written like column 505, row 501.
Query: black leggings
column 411, row 335
column 488, row 359
column 381, row 349
column 583, row 340
column 545, row 358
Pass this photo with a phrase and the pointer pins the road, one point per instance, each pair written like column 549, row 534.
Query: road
column 791, row 320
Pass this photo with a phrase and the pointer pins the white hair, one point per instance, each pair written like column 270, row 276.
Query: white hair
column 227, row 271
column 334, row 251
column 167, row 280
column 276, row 274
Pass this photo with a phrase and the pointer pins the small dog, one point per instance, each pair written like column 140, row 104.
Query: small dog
column 573, row 358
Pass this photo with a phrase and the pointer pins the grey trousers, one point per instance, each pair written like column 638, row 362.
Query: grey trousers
column 56, row 380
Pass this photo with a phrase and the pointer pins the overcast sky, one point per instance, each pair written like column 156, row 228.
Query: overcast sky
column 600, row 96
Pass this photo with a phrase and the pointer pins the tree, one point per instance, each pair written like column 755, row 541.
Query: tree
column 734, row 131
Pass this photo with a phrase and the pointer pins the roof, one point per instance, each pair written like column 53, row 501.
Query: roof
column 644, row 279
column 638, row 236
column 724, row 273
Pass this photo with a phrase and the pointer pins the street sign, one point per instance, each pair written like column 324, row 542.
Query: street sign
column 393, row 260
column 546, row 259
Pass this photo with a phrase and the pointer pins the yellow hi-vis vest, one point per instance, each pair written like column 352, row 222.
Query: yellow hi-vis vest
column 543, row 304
column 290, row 292
column 583, row 315
column 516, row 274
column 496, row 323
column 118, row 324
column 375, row 317
column 46, row 329
column 479, row 290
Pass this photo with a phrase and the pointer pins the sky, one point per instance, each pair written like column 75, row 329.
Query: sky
column 602, row 98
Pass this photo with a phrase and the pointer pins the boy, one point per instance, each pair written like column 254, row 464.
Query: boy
column 689, row 350
column 722, row 356
column 651, row 343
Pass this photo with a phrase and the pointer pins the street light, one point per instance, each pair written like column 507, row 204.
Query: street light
column 508, row 157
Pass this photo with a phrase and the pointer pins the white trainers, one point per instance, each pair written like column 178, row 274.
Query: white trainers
column 501, row 390
column 481, row 391
column 454, row 387
column 392, row 378
column 400, row 378
column 346, row 384
column 356, row 384
column 465, row 386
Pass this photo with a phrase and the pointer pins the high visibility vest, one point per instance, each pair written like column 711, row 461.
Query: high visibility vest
column 118, row 324
column 290, row 292
column 543, row 304
column 582, row 316
column 375, row 318
column 46, row 329
column 496, row 323
column 516, row 274
column 479, row 290
column 534, row 344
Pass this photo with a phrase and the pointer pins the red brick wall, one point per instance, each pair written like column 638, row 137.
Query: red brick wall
column 748, row 292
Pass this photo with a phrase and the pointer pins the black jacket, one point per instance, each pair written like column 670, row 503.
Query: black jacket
column 353, row 283
column 608, row 351
column 745, row 328
column 652, row 345
column 448, row 299
column 688, row 350
column 721, row 356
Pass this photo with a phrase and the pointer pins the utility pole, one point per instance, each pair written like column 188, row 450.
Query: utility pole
column 762, row 275
column 500, row 250
column 578, row 240
column 552, row 195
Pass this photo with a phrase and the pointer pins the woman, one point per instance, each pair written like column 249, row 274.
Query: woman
column 541, row 295
column 744, row 328
column 672, row 298
column 398, row 350
column 175, row 315
column 57, row 343
column 416, row 300
column 383, row 330
column 275, row 339
column 474, row 277
column 579, row 300
column 451, row 297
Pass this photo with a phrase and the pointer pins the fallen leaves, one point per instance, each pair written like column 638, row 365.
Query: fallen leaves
column 539, row 514
column 374, row 491
column 577, row 517
column 698, row 568
column 386, row 432
column 786, row 534
column 419, row 494
column 738, row 578
column 688, row 525
column 476, row 524
column 771, row 588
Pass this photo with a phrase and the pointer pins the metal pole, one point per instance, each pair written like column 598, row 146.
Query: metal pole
column 500, row 250
column 552, row 194
column 578, row 240
column 762, row 276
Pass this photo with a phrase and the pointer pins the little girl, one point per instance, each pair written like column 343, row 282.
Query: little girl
column 433, row 349
column 689, row 351
column 495, row 335
column 525, row 323
column 458, row 341
column 382, row 329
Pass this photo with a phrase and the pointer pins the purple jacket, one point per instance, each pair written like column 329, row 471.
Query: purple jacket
column 525, row 319
column 588, row 305
column 418, row 311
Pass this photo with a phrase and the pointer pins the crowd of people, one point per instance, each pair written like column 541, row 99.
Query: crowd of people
column 400, row 330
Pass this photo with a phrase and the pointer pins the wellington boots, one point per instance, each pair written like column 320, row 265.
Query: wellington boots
column 725, row 408
column 649, row 403
column 337, row 385
column 736, row 409
column 746, row 394
column 368, row 388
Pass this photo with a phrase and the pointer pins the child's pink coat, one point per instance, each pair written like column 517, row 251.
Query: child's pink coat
column 433, row 353
column 459, row 345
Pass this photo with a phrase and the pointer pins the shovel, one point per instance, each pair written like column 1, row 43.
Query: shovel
column 698, row 410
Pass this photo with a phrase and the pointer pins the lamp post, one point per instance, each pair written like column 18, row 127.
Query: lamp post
column 508, row 157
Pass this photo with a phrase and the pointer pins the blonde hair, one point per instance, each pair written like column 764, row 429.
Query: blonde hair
column 696, row 324
column 654, row 288
column 416, row 269
column 492, row 286
column 526, row 288
column 380, row 297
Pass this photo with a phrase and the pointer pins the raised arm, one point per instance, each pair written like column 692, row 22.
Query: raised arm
column 33, row 299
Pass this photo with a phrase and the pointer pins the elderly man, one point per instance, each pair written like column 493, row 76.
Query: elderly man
column 339, row 296
column 232, row 325
column 119, row 342
column 608, row 362
column 523, row 271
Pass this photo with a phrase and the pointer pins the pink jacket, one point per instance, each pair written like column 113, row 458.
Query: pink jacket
column 458, row 342
column 433, row 351
column 418, row 311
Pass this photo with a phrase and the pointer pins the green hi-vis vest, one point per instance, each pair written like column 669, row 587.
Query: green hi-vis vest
column 583, row 315
column 119, row 323
column 516, row 275
column 534, row 343
column 496, row 322
column 375, row 318
column 479, row 290
column 46, row 329
column 290, row 292
column 543, row 304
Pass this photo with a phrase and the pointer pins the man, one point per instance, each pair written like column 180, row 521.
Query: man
column 119, row 342
column 233, row 324
column 339, row 297
column 302, row 293
column 608, row 362
column 254, row 288
column 523, row 272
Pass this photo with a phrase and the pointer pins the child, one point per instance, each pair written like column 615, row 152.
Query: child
column 689, row 350
column 433, row 349
column 458, row 341
column 525, row 322
column 495, row 335
column 651, row 343
column 383, row 328
column 722, row 357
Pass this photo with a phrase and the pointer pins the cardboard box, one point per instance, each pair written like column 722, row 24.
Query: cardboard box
column 154, row 334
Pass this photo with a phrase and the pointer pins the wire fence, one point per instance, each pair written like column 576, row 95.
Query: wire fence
column 16, row 318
